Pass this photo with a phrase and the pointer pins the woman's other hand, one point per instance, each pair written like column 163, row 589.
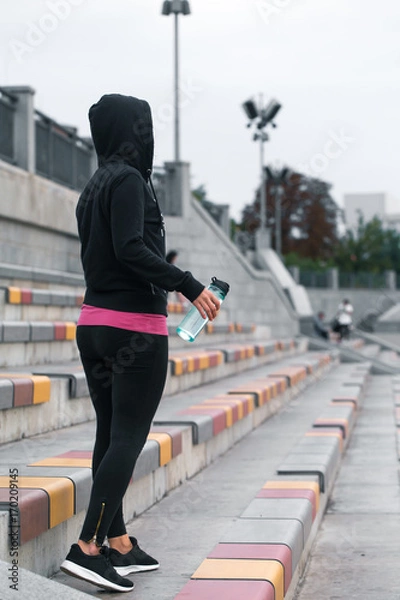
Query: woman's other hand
column 207, row 304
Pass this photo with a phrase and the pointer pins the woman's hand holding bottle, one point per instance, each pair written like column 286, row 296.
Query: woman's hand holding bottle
column 207, row 304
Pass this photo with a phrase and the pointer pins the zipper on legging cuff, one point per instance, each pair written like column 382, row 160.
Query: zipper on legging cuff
column 94, row 538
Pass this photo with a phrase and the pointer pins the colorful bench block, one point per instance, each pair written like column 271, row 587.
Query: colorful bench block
column 281, row 553
column 294, row 374
column 26, row 389
column 16, row 295
column 268, row 570
column 60, row 491
column 189, row 362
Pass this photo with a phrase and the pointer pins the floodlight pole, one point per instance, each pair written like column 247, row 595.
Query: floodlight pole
column 263, row 198
column 176, row 86
column 278, row 218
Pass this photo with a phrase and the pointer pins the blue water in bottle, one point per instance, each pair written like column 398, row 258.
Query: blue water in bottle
column 191, row 325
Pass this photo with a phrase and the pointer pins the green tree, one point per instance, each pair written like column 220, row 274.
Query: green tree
column 370, row 247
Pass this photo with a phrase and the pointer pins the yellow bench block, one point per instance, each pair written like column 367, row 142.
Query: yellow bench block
column 70, row 330
column 190, row 360
column 60, row 491
column 41, row 389
column 294, row 485
column 267, row 570
column 204, row 361
column 14, row 295
column 165, row 443
column 178, row 366
column 63, row 462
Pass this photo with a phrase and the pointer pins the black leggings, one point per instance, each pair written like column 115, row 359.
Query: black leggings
column 126, row 374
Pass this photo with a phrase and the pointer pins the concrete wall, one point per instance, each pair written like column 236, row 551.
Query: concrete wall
column 37, row 222
column 205, row 250
column 38, row 229
column 363, row 301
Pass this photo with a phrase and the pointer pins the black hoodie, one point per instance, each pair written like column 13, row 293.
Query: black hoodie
column 119, row 220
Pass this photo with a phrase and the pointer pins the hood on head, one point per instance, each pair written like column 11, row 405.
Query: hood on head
column 122, row 129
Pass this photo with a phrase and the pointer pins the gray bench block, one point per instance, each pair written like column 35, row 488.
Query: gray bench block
column 336, row 411
column 16, row 331
column 323, row 464
column 41, row 332
column 282, row 508
column 202, row 425
column 148, row 461
column 59, row 298
column 258, row 531
column 78, row 387
column 6, row 393
column 41, row 297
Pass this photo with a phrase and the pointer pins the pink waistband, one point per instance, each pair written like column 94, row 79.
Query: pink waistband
column 143, row 322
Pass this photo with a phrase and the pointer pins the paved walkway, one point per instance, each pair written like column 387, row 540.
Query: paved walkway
column 356, row 555
column 184, row 527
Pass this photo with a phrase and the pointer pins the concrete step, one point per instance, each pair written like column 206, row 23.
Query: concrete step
column 151, row 483
column 200, row 517
column 69, row 404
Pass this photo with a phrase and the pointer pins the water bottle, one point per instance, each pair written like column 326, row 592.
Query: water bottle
column 193, row 322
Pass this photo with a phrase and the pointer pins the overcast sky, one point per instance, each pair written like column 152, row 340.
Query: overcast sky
column 333, row 64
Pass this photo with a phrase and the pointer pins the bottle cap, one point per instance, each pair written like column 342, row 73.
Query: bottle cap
column 222, row 285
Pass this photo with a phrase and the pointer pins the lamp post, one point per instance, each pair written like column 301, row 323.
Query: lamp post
column 261, row 116
column 278, row 178
column 176, row 7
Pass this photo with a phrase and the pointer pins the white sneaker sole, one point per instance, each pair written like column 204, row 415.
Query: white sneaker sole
column 75, row 570
column 135, row 569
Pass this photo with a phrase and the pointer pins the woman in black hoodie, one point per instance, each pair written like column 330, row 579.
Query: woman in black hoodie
column 122, row 330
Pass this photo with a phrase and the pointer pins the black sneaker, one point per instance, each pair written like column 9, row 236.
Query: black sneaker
column 95, row 569
column 133, row 561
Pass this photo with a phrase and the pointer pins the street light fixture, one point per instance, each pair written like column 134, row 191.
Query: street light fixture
column 261, row 116
column 176, row 7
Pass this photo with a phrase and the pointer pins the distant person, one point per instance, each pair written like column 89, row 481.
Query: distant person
column 171, row 258
column 122, row 332
column 344, row 319
column 320, row 327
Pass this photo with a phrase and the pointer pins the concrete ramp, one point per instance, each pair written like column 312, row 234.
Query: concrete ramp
column 349, row 354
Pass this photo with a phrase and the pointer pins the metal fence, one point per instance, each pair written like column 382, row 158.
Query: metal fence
column 61, row 155
column 7, row 123
column 314, row 279
column 362, row 280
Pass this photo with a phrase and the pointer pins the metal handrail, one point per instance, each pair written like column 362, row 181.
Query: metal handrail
column 64, row 130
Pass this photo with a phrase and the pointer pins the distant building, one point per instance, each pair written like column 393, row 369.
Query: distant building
column 393, row 221
column 368, row 205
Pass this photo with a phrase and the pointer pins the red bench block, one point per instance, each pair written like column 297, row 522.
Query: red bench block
column 216, row 589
